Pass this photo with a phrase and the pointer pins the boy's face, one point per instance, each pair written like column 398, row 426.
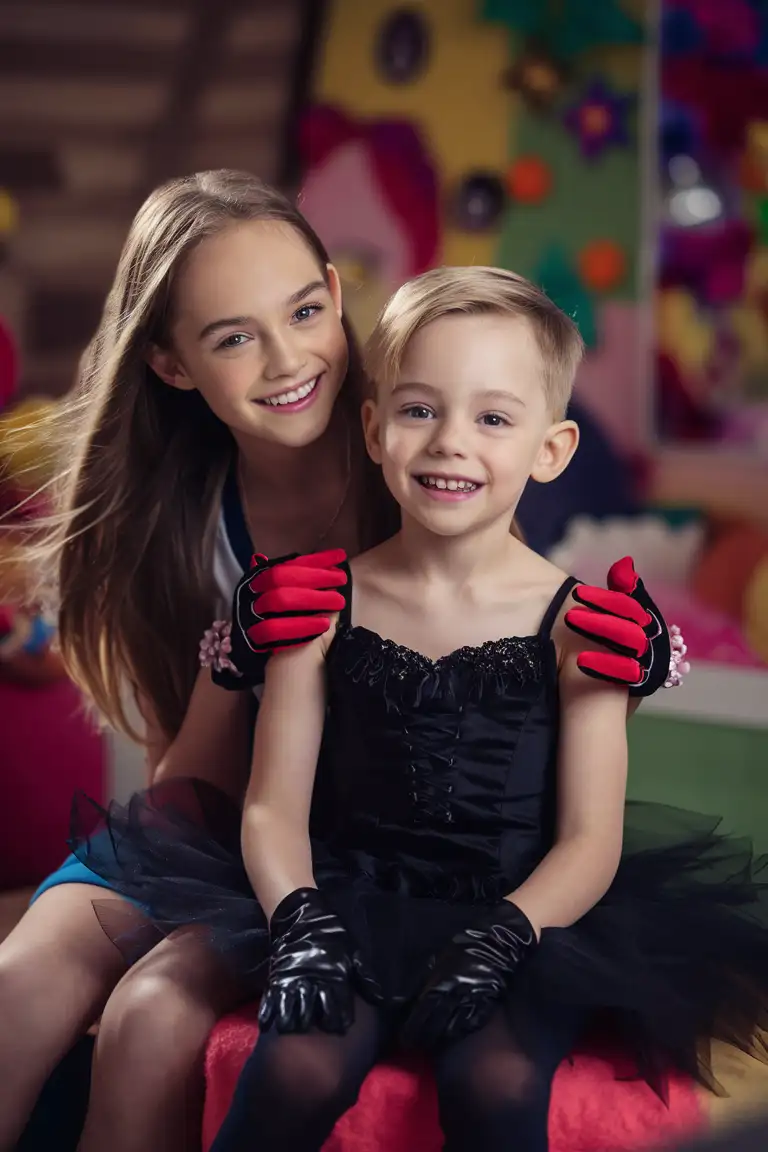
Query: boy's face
column 466, row 424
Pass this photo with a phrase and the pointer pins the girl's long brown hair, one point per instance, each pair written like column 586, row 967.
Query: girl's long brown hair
column 143, row 467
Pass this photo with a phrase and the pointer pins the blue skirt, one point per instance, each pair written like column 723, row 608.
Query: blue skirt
column 72, row 871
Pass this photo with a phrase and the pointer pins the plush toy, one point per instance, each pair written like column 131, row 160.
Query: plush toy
column 732, row 576
column 48, row 746
column 26, row 468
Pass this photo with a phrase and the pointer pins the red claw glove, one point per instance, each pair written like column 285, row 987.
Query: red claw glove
column 627, row 623
column 279, row 604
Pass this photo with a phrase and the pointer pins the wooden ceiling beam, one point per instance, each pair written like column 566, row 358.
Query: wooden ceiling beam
column 83, row 61
column 32, row 135
column 196, row 64
column 174, row 6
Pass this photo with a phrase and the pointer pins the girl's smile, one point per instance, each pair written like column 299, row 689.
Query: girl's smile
column 295, row 399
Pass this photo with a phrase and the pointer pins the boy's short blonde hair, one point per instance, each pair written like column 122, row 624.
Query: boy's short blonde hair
column 477, row 291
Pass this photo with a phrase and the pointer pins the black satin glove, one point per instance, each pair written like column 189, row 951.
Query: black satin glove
column 469, row 977
column 314, row 969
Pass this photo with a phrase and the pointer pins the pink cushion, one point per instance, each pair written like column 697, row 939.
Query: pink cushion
column 711, row 635
column 48, row 748
column 592, row 1109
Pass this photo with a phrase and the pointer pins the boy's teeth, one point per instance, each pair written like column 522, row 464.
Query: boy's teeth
column 292, row 396
column 451, row 485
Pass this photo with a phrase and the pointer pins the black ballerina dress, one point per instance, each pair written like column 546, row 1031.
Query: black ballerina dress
column 436, row 793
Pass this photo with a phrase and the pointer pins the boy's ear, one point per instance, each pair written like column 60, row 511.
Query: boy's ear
column 371, row 430
column 556, row 452
column 165, row 363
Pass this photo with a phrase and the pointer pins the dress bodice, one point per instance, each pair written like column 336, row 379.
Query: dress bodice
column 442, row 771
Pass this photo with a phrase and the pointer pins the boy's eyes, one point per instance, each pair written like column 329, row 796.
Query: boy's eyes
column 423, row 412
column 417, row 411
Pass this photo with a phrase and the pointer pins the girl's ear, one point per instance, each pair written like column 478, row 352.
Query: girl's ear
column 556, row 452
column 372, row 429
column 334, row 287
column 166, row 364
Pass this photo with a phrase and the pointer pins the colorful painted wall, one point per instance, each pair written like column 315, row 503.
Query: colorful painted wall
column 438, row 133
column 520, row 175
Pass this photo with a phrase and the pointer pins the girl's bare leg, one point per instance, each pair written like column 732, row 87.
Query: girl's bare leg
column 57, row 969
column 147, row 1089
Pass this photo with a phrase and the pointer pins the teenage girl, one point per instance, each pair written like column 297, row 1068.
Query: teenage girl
column 216, row 412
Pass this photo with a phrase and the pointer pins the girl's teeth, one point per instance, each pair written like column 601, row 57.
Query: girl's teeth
column 292, row 396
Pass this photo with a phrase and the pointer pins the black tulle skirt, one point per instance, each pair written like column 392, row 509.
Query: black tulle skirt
column 675, row 955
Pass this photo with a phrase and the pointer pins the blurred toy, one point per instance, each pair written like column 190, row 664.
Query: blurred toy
column 26, row 467
column 49, row 747
column 710, row 611
column 8, row 364
column 732, row 577
column 27, row 449
column 756, row 609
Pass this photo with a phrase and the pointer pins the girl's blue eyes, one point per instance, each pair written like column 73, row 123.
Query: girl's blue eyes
column 232, row 341
column 309, row 311
column 422, row 412
column 301, row 315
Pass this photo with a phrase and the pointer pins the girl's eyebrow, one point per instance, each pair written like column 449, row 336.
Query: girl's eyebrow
column 227, row 322
column 235, row 321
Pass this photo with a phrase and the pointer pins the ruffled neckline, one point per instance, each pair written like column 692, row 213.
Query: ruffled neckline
column 467, row 653
column 366, row 655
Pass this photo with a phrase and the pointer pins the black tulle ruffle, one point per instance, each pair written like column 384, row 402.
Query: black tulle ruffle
column 676, row 953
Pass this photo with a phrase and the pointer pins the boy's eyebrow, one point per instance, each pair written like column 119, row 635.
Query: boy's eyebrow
column 409, row 385
column 502, row 395
column 235, row 321
column 497, row 394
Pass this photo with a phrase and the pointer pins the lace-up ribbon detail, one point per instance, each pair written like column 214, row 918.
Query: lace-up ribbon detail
column 409, row 679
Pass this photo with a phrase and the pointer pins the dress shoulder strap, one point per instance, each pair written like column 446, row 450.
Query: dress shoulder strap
column 345, row 616
column 555, row 605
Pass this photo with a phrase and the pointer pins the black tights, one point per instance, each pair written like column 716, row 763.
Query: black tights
column 491, row 1097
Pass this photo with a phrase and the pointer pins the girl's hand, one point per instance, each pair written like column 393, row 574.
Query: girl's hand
column 313, row 969
column 470, row 977
column 278, row 604
column 624, row 619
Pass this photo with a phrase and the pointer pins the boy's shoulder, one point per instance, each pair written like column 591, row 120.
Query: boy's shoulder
column 539, row 581
column 372, row 565
column 539, row 574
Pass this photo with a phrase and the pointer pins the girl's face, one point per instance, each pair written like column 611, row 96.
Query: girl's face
column 257, row 331
column 467, row 423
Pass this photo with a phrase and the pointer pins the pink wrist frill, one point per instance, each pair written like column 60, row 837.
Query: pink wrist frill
column 678, row 665
column 216, row 646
